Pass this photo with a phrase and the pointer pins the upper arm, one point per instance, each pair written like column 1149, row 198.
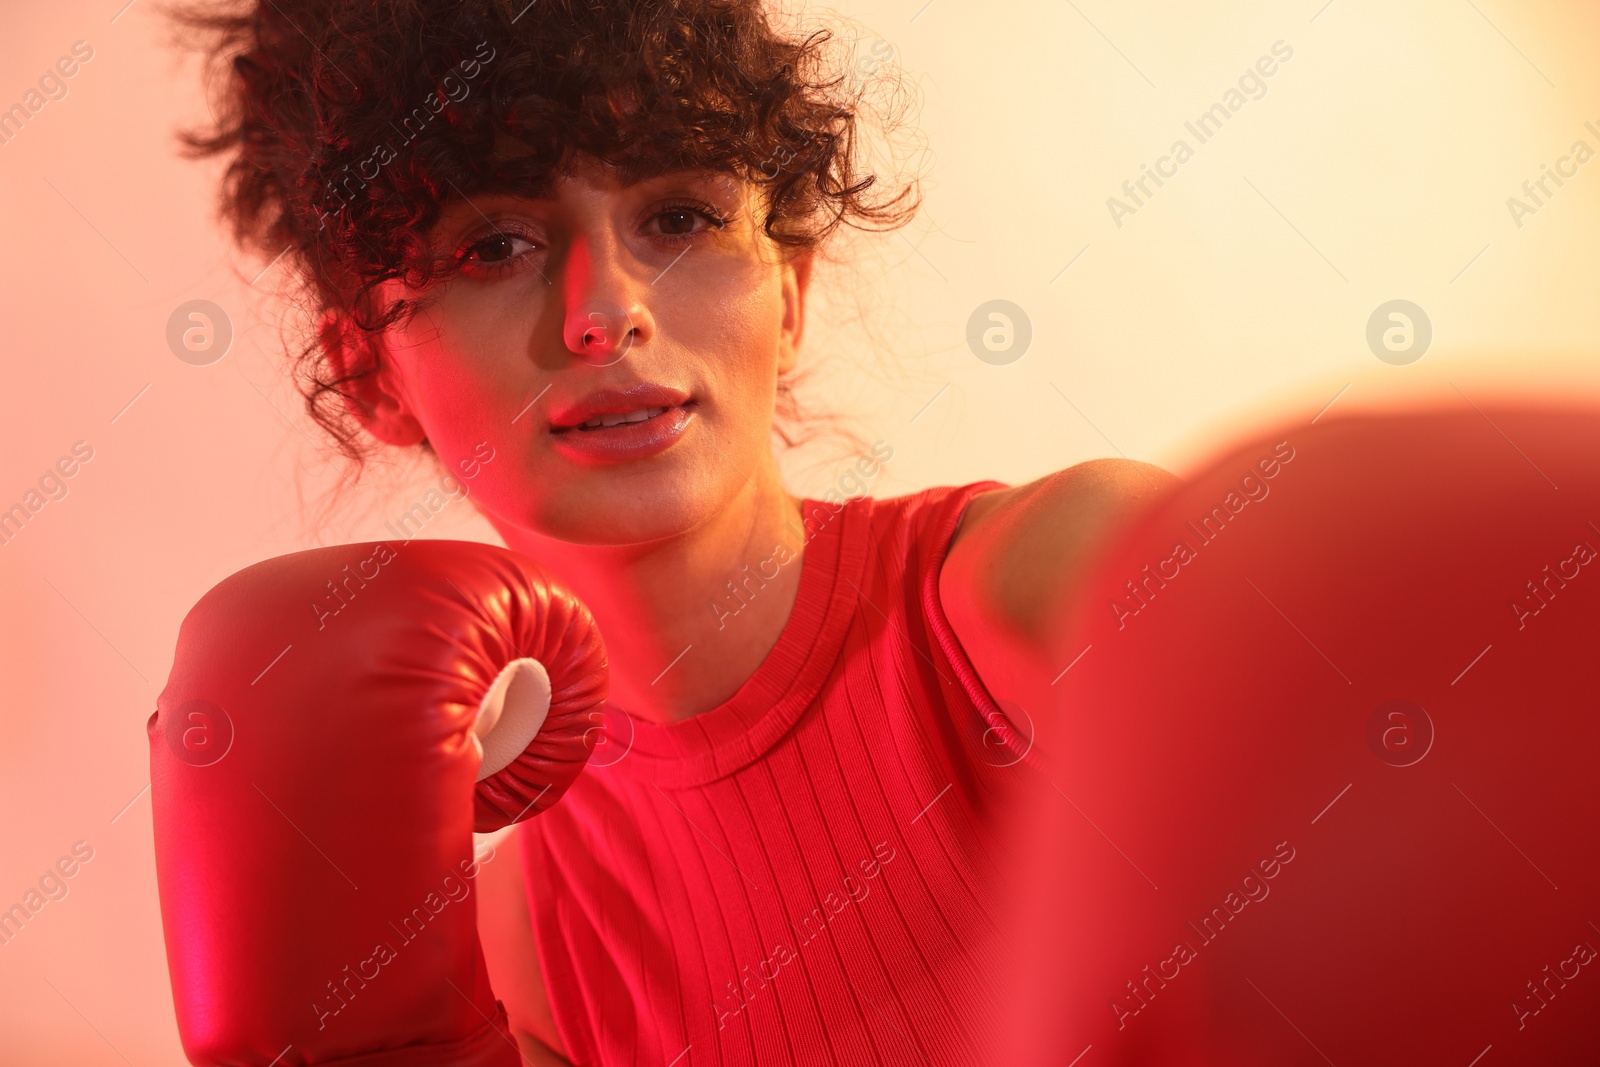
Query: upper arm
column 510, row 950
column 1016, row 568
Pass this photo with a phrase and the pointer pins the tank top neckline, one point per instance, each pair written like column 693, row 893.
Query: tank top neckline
column 721, row 740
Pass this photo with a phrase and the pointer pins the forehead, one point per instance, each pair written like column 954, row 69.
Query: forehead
column 582, row 172
column 592, row 174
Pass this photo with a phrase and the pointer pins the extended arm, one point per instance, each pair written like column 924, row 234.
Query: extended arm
column 1012, row 580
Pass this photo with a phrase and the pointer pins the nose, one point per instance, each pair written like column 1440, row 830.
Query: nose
column 606, row 313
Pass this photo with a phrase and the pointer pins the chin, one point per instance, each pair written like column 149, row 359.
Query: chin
column 630, row 504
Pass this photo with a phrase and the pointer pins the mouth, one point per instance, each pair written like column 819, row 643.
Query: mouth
column 607, row 421
column 616, row 425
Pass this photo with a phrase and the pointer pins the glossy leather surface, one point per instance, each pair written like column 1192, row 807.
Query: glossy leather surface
column 313, row 766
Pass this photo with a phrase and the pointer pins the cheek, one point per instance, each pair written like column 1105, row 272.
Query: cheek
column 734, row 329
column 465, row 381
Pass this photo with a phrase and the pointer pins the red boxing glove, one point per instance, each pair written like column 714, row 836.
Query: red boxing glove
column 1324, row 777
column 317, row 774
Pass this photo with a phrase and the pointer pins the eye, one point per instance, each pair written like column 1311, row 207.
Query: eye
column 678, row 220
column 495, row 251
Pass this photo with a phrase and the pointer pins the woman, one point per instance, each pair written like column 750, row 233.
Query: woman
column 566, row 247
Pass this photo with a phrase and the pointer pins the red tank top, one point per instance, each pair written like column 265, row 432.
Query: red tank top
column 800, row 875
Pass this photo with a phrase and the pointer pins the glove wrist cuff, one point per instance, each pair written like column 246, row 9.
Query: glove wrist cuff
column 491, row 1045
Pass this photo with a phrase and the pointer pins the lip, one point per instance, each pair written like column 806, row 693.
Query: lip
column 616, row 402
column 626, row 441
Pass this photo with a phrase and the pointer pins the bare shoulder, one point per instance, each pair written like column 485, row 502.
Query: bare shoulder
column 1018, row 558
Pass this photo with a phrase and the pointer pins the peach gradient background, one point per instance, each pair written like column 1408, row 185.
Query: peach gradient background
column 1377, row 166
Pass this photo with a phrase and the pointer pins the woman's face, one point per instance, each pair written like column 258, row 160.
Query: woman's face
column 660, row 302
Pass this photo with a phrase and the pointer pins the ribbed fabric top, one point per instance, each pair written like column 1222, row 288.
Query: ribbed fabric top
column 802, row 874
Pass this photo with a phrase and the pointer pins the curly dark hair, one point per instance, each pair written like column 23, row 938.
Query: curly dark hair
column 349, row 124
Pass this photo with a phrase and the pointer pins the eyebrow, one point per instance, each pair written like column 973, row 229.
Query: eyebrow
column 468, row 203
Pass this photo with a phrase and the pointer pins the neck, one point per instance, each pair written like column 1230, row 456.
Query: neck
column 678, row 639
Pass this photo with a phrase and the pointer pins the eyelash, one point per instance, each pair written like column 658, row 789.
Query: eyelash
column 713, row 217
column 697, row 207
